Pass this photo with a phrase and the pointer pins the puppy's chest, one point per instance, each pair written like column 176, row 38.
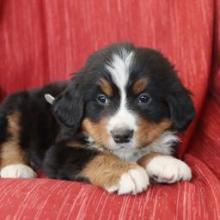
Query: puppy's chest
column 136, row 153
column 131, row 154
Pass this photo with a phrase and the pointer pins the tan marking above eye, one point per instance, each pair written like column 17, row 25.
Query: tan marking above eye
column 140, row 85
column 106, row 87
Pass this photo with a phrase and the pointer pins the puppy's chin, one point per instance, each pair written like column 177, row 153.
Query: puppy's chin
column 112, row 145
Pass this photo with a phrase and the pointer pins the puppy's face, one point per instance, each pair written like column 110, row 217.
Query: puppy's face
column 125, row 97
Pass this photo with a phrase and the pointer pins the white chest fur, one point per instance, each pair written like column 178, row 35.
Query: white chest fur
column 163, row 145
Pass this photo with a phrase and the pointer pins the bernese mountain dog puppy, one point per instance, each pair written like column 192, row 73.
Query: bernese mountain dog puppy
column 114, row 124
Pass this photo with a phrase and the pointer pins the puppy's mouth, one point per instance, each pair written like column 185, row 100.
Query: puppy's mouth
column 121, row 146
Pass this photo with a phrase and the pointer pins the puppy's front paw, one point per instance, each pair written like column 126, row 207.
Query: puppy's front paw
column 132, row 182
column 166, row 169
column 17, row 171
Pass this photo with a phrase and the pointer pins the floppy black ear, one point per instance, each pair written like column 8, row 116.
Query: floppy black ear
column 181, row 108
column 68, row 107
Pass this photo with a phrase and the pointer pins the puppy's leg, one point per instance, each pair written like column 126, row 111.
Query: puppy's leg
column 101, row 169
column 13, row 160
column 164, row 168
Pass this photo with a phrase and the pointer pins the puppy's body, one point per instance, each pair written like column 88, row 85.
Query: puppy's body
column 122, row 109
column 27, row 119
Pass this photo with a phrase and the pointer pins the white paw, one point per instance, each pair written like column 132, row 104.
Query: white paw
column 167, row 169
column 133, row 182
column 17, row 171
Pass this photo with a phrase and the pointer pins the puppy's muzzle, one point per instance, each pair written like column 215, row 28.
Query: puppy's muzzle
column 121, row 135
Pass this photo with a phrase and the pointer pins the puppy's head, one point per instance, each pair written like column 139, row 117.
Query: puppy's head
column 125, row 97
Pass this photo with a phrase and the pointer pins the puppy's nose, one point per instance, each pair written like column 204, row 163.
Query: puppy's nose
column 122, row 135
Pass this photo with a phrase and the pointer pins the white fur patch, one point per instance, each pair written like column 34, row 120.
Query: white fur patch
column 119, row 69
column 17, row 171
column 163, row 145
column 167, row 169
column 132, row 182
column 49, row 98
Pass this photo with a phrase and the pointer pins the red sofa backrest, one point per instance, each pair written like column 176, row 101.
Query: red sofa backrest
column 43, row 41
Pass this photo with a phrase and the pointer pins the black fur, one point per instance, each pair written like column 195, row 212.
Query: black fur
column 70, row 101
column 3, row 125
column 38, row 125
column 62, row 162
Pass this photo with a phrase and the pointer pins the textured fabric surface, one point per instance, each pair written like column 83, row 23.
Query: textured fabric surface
column 51, row 199
column 43, row 41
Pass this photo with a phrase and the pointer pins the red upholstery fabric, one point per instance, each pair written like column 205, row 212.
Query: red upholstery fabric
column 43, row 41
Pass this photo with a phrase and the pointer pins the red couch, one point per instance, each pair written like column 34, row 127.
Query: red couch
column 43, row 41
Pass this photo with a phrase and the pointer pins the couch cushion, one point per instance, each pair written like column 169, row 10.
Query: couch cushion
column 55, row 199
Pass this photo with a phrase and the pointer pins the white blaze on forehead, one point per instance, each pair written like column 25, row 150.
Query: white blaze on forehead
column 119, row 69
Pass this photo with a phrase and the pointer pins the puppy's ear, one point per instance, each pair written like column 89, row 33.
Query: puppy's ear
column 68, row 107
column 181, row 108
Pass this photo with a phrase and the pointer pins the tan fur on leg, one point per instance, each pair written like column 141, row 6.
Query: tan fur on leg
column 13, row 159
column 113, row 174
column 11, row 152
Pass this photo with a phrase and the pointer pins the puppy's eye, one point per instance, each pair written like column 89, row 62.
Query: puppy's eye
column 144, row 99
column 102, row 99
